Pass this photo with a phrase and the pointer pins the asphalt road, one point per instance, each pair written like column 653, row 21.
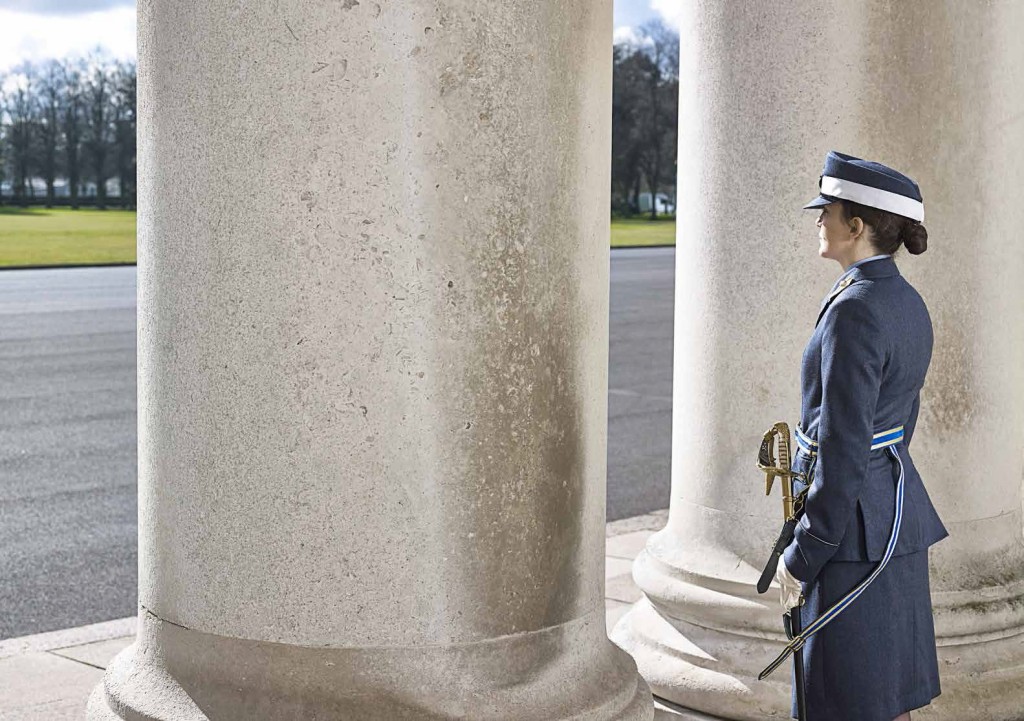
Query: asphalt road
column 67, row 431
column 67, row 448
column 640, row 381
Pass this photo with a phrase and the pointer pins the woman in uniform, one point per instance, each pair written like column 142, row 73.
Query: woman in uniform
column 859, row 557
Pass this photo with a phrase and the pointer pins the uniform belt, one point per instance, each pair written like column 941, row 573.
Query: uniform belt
column 879, row 440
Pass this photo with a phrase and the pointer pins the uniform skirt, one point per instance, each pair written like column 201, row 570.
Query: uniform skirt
column 877, row 659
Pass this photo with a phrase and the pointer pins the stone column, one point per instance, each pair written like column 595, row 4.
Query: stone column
column 373, row 326
column 767, row 90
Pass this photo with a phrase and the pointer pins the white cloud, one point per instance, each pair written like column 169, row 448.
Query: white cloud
column 61, row 7
column 35, row 37
column 671, row 11
column 14, row 82
column 628, row 35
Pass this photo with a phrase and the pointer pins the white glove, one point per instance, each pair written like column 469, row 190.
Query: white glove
column 790, row 585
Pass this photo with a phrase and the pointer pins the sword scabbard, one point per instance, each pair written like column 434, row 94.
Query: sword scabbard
column 785, row 537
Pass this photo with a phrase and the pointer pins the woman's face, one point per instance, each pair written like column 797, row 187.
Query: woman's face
column 834, row 234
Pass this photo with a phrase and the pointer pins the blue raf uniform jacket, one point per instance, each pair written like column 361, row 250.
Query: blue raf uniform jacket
column 861, row 374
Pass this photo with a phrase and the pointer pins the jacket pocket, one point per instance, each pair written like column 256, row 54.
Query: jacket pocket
column 878, row 508
column 876, row 527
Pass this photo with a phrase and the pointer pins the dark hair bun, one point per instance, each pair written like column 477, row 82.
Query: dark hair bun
column 915, row 238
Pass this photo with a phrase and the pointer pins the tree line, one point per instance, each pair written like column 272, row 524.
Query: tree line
column 645, row 107
column 69, row 127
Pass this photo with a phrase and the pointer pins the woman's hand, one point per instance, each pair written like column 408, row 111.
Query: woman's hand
column 791, row 587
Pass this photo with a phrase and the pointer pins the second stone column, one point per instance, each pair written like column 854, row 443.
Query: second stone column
column 766, row 91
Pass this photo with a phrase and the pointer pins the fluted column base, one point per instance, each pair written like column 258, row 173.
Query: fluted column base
column 710, row 662
column 569, row 672
column 710, row 672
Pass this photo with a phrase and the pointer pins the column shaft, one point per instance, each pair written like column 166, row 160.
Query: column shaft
column 373, row 317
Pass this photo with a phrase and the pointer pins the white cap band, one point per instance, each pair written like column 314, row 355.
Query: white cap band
column 873, row 197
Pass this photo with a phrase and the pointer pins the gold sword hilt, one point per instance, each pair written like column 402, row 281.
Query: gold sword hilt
column 779, row 468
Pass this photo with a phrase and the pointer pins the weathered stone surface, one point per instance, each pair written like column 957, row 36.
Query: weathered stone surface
column 373, row 309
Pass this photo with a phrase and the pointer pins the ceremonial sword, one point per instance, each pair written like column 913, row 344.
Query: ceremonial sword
column 792, row 508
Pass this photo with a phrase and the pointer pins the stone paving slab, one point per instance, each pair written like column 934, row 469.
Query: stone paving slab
column 98, row 653
column 628, row 545
column 653, row 521
column 68, row 637
column 49, row 676
column 618, row 580
column 41, row 685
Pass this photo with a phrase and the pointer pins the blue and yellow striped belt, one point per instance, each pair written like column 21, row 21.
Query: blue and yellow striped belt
column 879, row 440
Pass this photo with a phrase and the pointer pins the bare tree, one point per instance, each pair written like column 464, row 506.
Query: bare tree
column 50, row 99
column 124, row 114
column 661, row 84
column 20, row 120
column 74, row 124
column 98, row 127
column 644, row 115
column 628, row 109
column 3, row 140
column 662, row 47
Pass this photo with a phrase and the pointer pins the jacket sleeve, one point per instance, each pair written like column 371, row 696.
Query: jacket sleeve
column 853, row 352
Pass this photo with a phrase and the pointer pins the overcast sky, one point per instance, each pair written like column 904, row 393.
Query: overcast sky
column 40, row 29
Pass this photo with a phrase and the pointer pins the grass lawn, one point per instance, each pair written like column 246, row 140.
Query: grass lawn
column 643, row 232
column 59, row 236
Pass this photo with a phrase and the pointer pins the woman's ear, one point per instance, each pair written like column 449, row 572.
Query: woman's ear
column 856, row 228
